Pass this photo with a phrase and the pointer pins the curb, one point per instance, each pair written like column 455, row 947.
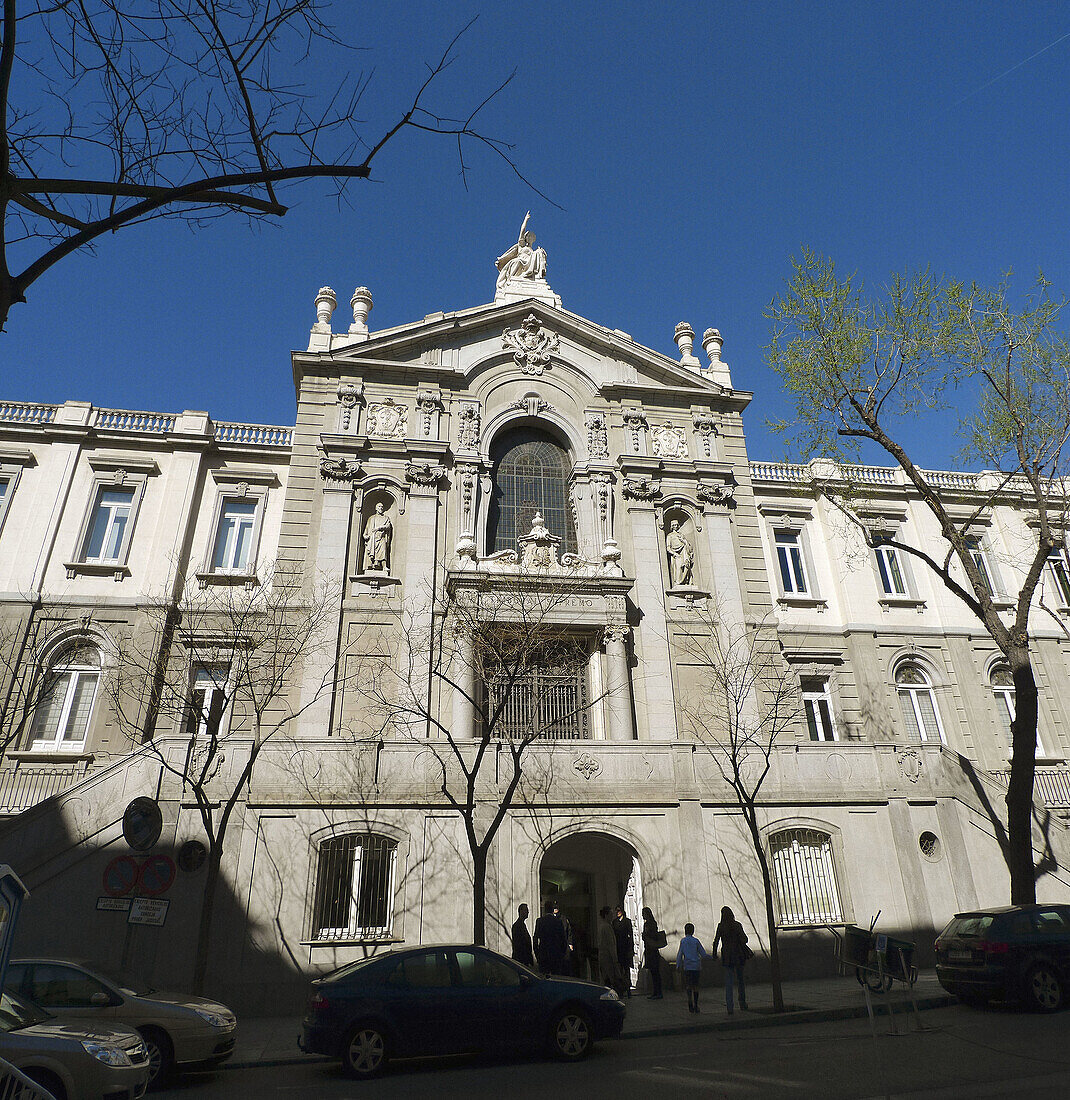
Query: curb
column 744, row 1023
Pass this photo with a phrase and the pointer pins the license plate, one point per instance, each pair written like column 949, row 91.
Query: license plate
column 960, row 956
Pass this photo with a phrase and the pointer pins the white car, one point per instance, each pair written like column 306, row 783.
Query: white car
column 72, row 1061
column 180, row 1031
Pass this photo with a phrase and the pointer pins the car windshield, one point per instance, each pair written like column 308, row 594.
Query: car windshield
column 16, row 1013
column 133, row 985
column 360, row 964
column 970, row 926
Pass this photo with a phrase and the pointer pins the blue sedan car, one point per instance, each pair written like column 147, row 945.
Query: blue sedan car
column 426, row 1001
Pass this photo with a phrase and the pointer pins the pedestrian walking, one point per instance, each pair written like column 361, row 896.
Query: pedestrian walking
column 608, row 966
column 734, row 955
column 551, row 943
column 689, row 964
column 653, row 940
column 622, row 929
column 522, row 950
column 569, row 970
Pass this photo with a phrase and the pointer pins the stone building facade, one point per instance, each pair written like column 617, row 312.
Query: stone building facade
column 510, row 440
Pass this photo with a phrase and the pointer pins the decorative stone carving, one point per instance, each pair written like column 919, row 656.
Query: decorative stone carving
column 531, row 345
column 635, row 422
column 597, row 436
column 467, row 478
column 720, row 493
column 681, row 555
column 349, row 396
column 523, row 260
column 616, row 635
column 538, row 548
column 602, row 484
column 532, row 404
column 388, row 419
column 641, row 488
column 910, row 764
column 428, row 402
column 339, row 469
column 611, row 559
column 378, row 535
column 424, row 473
column 706, row 427
column 468, row 433
column 204, row 763
column 119, row 477
column 586, row 765
column 668, row 442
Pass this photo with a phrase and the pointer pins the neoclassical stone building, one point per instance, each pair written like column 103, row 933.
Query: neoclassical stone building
column 471, row 449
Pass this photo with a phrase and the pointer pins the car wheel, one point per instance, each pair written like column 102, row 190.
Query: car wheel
column 365, row 1052
column 161, row 1055
column 1044, row 987
column 43, row 1078
column 570, row 1035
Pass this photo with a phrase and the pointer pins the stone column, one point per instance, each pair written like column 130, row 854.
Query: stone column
column 648, row 550
column 619, row 719
column 421, row 544
column 464, row 676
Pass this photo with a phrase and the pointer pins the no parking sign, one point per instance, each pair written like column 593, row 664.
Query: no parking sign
column 120, row 876
column 157, row 874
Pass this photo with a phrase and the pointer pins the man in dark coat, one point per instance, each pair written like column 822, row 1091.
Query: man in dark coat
column 622, row 929
column 551, row 942
column 522, row 938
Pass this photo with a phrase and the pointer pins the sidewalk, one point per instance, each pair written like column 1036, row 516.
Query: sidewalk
column 272, row 1041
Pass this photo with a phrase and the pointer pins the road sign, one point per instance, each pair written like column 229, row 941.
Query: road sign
column 113, row 905
column 148, row 911
column 157, row 874
column 120, row 876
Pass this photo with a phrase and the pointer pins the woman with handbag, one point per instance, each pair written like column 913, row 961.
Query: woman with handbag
column 653, row 940
column 734, row 955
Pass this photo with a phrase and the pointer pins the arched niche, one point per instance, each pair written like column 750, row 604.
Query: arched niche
column 378, row 535
column 680, row 546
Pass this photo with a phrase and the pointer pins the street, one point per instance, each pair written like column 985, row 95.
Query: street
column 961, row 1053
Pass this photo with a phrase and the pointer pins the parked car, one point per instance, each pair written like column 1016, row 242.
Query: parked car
column 73, row 1061
column 451, row 1000
column 1011, row 953
column 180, row 1032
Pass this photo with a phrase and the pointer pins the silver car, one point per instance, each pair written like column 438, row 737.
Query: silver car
column 181, row 1032
column 72, row 1061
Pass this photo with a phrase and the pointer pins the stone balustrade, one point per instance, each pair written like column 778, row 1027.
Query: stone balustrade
column 27, row 412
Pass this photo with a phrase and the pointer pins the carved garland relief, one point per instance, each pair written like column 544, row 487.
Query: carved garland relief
column 388, row 419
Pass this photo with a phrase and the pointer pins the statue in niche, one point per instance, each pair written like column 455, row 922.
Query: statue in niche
column 681, row 555
column 378, row 534
column 523, row 260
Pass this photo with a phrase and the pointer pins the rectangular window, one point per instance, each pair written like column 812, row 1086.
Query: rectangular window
column 234, row 536
column 818, row 707
column 977, row 550
column 208, row 698
column 541, row 694
column 790, row 559
column 1059, row 569
column 893, row 582
column 355, row 887
column 106, row 537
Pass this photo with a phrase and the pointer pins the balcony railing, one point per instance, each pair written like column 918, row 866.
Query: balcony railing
column 255, row 435
column 26, row 412
column 24, row 786
column 125, row 420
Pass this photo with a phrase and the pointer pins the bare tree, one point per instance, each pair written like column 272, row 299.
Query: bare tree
column 208, row 681
column 864, row 368
column 114, row 112
column 746, row 701
column 486, row 672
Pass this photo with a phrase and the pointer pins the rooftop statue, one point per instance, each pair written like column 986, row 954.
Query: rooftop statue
column 523, row 260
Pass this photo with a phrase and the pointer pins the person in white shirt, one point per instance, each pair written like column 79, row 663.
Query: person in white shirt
column 689, row 963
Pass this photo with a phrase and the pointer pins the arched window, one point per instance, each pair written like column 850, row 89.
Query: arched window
column 804, row 874
column 1002, row 684
column 531, row 471
column 917, row 703
column 65, row 700
column 355, row 879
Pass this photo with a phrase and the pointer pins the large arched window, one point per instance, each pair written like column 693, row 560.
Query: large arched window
column 917, row 703
column 531, row 472
column 804, row 874
column 65, row 703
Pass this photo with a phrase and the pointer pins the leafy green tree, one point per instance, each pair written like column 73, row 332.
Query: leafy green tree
column 863, row 368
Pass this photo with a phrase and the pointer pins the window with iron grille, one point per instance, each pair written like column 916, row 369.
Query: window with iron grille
column 531, row 472
column 804, row 875
column 545, row 697
column 355, row 887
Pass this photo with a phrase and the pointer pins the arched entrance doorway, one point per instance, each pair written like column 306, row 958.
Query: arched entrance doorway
column 584, row 872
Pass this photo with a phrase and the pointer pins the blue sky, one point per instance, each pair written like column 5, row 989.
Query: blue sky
column 692, row 147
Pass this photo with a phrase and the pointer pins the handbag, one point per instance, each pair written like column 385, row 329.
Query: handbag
column 748, row 954
column 660, row 939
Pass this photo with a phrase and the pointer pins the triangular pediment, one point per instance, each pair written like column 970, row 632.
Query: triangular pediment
column 467, row 342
